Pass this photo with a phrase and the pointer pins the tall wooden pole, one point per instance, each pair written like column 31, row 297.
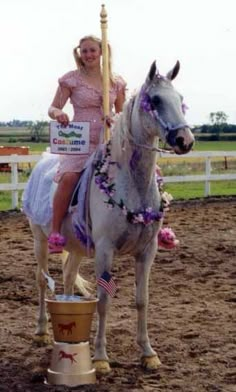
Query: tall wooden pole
column 105, row 70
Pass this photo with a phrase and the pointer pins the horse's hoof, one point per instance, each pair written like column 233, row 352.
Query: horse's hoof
column 150, row 363
column 42, row 340
column 102, row 367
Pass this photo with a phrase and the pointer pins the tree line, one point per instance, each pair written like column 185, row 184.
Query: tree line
column 217, row 129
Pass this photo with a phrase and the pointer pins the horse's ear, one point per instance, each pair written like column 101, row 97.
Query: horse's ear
column 174, row 72
column 152, row 72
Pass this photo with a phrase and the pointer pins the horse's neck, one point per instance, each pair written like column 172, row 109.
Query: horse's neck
column 137, row 162
column 142, row 145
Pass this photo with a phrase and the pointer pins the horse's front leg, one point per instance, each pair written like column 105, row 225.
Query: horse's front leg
column 104, row 256
column 143, row 265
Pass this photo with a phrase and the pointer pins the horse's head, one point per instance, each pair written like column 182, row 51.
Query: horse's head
column 163, row 110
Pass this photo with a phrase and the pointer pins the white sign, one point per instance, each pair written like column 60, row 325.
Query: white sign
column 73, row 139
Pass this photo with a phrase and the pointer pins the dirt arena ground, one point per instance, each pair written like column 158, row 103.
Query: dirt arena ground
column 192, row 310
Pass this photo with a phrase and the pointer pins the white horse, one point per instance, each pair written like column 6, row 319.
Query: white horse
column 126, row 175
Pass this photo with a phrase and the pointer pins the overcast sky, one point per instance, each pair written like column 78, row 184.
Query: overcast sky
column 37, row 38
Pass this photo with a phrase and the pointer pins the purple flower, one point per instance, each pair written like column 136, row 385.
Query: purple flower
column 145, row 103
column 98, row 180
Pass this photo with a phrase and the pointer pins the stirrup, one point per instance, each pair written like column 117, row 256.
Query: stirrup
column 166, row 239
column 56, row 243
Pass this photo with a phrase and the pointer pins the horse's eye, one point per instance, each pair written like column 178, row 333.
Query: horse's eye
column 156, row 101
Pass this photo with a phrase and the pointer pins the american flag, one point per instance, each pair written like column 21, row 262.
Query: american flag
column 106, row 281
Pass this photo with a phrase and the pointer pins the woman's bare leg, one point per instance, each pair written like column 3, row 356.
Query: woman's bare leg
column 62, row 199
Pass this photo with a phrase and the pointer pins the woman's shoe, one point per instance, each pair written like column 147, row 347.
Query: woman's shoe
column 166, row 239
column 56, row 243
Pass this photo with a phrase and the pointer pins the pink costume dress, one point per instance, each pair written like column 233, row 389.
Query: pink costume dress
column 87, row 105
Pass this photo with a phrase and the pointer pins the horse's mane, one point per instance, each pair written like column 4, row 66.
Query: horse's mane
column 121, row 130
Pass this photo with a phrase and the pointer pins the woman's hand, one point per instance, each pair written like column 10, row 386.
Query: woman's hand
column 58, row 115
column 108, row 120
column 62, row 118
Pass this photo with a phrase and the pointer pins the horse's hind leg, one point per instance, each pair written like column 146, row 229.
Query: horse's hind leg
column 41, row 255
column 143, row 264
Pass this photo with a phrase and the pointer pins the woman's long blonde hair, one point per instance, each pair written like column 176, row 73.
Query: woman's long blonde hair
column 79, row 61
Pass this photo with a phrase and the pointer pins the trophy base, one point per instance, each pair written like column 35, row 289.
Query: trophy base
column 71, row 365
column 71, row 380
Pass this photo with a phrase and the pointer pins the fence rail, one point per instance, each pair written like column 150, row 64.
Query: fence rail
column 15, row 186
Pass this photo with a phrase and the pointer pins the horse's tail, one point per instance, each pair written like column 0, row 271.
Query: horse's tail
column 85, row 287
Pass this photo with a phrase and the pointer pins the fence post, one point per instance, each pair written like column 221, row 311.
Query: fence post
column 14, row 181
column 208, row 172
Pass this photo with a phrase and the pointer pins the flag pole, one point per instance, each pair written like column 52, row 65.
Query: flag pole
column 105, row 70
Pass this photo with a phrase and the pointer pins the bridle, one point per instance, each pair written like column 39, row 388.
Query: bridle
column 168, row 128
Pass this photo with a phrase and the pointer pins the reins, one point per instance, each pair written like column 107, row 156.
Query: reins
column 153, row 149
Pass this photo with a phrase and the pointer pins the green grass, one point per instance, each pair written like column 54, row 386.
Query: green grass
column 215, row 146
column 192, row 190
column 15, row 131
column 5, row 201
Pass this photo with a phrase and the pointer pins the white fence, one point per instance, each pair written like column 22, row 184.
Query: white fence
column 15, row 186
column 208, row 156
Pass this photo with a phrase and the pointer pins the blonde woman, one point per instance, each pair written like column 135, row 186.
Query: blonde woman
column 83, row 86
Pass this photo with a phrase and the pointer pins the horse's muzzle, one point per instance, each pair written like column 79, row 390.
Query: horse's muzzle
column 181, row 140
